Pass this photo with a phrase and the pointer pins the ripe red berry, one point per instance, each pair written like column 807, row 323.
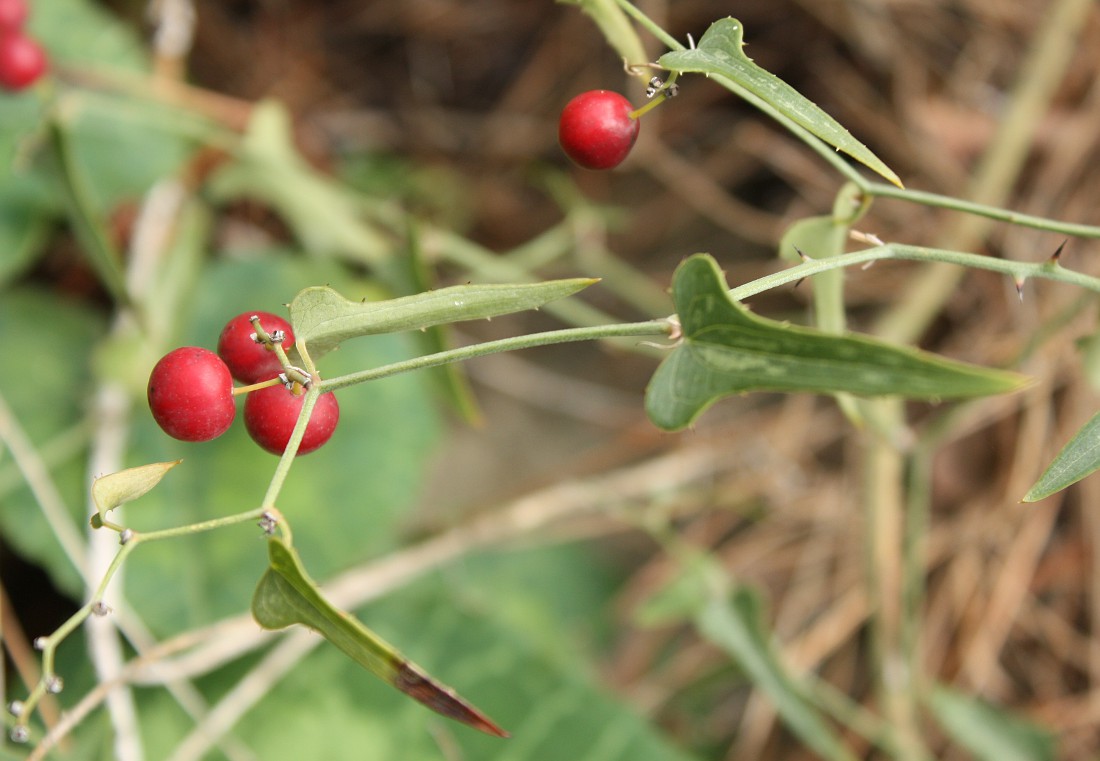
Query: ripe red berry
column 271, row 413
column 249, row 361
column 596, row 129
column 191, row 394
column 22, row 60
column 13, row 14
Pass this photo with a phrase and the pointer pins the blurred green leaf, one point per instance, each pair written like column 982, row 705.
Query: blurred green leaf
column 323, row 319
column 83, row 32
column 684, row 595
column 286, row 596
column 720, row 53
column 737, row 626
column 48, row 394
column 616, row 28
column 989, row 732
column 727, row 350
column 1079, row 457
column 323, row 213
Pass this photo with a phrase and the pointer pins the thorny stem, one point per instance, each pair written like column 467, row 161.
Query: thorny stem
column 1020, row 271
column 936, row 200
column 130, row 540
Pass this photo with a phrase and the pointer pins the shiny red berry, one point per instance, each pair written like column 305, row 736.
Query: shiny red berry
column 596, row 129
column 271, row 413
column 13, row 14
column 22, row 61
column 191, row 394
column 250, row 361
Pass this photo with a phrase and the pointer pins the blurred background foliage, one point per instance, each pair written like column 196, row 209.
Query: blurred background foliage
column 528, row 547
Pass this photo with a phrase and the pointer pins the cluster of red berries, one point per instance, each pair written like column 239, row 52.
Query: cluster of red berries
column 191, row 388
column 22, row 59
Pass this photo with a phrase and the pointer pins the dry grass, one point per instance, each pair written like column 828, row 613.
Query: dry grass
column 472, row 88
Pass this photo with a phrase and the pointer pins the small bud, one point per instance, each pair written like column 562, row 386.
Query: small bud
column 100, row 608
column 19, row 733
column 40, row 643
column 15, row 708
column 125, row 536
column 54, row 684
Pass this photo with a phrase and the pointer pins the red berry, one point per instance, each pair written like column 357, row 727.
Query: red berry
column 13, row 13
column 22, row 61
column 249, row 361
column 271, row 413
column 191, row 394
column 596, row 129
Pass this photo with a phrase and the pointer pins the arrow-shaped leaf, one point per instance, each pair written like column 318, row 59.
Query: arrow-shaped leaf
column 1078, row 458
column 114, row 489
column 322, row 318
column 286, row 596
column 727, row 350
column 720, row 53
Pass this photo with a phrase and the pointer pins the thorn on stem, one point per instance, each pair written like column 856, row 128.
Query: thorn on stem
column 1019, row 281
column 1058, row 251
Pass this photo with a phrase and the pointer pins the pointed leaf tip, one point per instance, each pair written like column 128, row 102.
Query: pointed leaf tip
column 286, row 596
column 720, row 53
column 114, row 489
column 322, row 318
column 726, row 349
column 443, row 700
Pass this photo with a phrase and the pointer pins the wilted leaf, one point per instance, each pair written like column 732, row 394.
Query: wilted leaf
column 727, row 350
column 1078, row 458
column 720, row 53
column 286, row 596
column 323, row 214
column 322, row 318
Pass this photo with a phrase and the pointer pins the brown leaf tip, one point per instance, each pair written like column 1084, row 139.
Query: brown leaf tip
column 443, row 700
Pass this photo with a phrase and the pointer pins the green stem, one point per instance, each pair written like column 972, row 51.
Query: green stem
column 826, row 152
column 936, row 200
column 54, row 640
column 566, row 335
column 1020, row 271
column 104, row 258
column 287, row 459
column 650, row 25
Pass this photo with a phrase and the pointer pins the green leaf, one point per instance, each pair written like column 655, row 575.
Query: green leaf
column 286, row 596
column 720, row 53
column 738, row 628
column 48, row 397
column 727, row 350
column 988, row 732
column 1079, row 458
column 214, row 572
column 323, row 213
column 323, row 319
column 114, row 489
